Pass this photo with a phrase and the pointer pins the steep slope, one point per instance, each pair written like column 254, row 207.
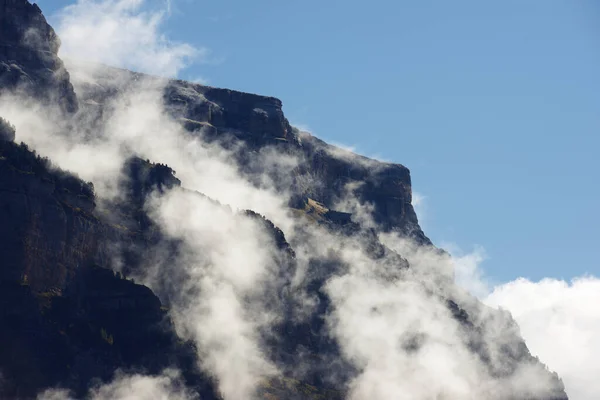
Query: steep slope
column 327, row 174
column 64, row 318
column 29, row 61
column 67, row 318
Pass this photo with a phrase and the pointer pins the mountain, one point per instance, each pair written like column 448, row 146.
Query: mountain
column 73, row 317
column 28, row 50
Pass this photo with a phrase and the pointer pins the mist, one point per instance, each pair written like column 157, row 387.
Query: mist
column 389, row 312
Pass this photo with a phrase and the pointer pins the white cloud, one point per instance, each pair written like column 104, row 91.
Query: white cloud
column 132, row 387
column 396, row 329
column 418, row 200
column 122, row 33
column 227, row 272
column 468, row 273
column 560, row 322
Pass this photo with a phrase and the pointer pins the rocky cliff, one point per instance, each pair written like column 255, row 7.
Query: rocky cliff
column 67, row 319
column 29, row 61
column 327, row 174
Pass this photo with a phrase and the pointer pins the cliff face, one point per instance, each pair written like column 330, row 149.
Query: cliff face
column 49, row 228
column 29, row 59
column 101, row 323
column 259, row 118
column 326, row 173
column 66, row 318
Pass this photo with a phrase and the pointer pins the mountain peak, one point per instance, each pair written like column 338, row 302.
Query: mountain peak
column 29, row 62
column 24, row 25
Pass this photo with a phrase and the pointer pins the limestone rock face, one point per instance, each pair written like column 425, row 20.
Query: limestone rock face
column 29, row 62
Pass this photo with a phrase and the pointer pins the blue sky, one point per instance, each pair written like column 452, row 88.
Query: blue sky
column 494, row 106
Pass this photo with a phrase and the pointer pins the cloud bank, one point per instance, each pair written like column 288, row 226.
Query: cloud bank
column 560, row 322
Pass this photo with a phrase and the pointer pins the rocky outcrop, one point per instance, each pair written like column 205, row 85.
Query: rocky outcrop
column 29, row 62
column 258, row 120
column 337, row 177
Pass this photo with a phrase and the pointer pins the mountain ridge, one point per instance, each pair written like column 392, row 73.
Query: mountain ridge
column 70, row 319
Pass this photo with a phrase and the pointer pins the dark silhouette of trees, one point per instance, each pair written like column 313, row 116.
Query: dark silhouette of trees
column 7, row 130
